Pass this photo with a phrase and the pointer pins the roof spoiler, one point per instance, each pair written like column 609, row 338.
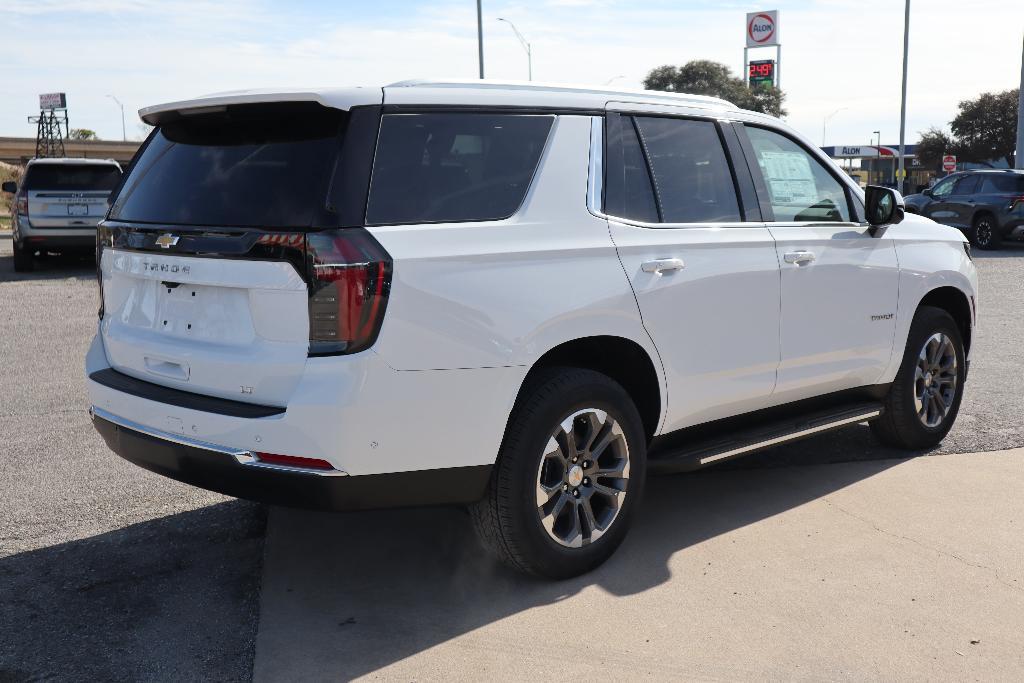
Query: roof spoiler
column 337, row 98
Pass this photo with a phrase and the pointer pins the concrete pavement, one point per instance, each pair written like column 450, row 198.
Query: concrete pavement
column 893, row 569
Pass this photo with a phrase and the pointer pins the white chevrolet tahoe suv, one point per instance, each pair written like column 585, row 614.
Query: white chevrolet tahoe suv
column 58, row 205
column 520, row 298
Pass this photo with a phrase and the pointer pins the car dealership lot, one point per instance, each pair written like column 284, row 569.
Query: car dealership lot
column 108, row 571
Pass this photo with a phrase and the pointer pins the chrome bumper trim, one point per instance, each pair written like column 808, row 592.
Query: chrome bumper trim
column 242, row 456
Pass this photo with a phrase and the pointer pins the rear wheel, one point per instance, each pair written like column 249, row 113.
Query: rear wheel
column 985, row 233
column 22, row 258
column 924, row 399
column 569, row 475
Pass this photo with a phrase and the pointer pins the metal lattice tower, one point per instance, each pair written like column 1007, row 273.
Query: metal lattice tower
column 49, row 136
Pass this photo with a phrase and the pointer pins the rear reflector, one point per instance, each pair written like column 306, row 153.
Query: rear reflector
column 349, row 281
column 294, row 461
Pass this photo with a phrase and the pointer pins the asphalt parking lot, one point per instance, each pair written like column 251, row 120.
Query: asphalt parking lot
column 110, row 572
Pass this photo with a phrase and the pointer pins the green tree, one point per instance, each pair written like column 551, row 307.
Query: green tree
column 986, row 127
column 81, row 134
column 704, row 77
column 932, row 145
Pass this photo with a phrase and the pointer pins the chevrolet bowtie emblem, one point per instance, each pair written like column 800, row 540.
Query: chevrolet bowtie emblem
column 167, row 240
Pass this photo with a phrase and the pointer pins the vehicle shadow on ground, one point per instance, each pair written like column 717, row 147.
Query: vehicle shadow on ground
column 170, row 599
column 49, row 267
column 344, row 595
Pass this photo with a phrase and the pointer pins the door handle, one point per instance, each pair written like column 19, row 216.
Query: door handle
column 799, row 257
column 663, row 265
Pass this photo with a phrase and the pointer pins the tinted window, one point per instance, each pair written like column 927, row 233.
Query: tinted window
column 799, row 186
column 1002, row 184
column 80, row 177
column 692, row 179
column 967, row 185
column 263, row 166
column 433, row 168
column 629, row 193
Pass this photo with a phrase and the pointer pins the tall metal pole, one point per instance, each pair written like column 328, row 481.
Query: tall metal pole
column 124, row 134
column 903, row 101
column 480, row 35
column 1018, row 158
column 526, row 46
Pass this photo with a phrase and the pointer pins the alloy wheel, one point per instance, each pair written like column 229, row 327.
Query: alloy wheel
column 935, row 380
column 983, row 232
column 582, row 478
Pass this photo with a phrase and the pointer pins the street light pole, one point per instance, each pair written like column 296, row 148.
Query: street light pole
column 825, row 121
column 903, row 100
column 878, row 151
column 526, row 46
column 124, row 134
column 480, row 35
column 1018, row 158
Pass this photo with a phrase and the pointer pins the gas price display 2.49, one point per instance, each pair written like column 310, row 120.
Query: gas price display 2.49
column 762, row 72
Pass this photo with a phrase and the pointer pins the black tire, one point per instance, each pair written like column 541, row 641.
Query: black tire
column 22, row 259
column 508, row 519
column 900, row 425
column 984, row 232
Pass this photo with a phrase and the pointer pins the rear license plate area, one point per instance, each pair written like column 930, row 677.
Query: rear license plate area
column 78, row 209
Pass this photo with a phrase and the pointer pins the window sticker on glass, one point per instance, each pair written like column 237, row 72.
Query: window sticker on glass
column 789, row 176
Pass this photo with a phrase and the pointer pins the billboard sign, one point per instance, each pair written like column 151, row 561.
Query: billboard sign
column 53, row 100
column 763, row 28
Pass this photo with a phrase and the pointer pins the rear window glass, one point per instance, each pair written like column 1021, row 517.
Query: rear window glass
column 433, row 168
column 78, row 177
column 1002, row 184
column 266, row 166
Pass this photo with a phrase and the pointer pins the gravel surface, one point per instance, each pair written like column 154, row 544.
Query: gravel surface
column 107, row 572
column 110, row 572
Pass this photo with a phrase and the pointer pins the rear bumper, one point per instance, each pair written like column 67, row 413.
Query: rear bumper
column 240, row 473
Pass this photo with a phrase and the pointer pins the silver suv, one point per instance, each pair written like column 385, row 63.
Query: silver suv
column 58, row 205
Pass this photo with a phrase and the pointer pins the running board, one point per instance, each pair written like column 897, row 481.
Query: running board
column 708, row 450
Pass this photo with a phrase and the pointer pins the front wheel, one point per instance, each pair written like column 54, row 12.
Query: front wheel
column 569, row 475
column 924, row 399
column 985, row 233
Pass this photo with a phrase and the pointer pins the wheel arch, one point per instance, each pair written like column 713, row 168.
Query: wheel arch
column 955, row 302
column 622, row 359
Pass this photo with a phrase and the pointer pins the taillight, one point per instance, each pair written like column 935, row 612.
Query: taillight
column 349, row 283
column 294, row 461
column 22, row 200
column 1015, row 202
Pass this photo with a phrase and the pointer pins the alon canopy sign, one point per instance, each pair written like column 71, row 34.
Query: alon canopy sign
column 763, row 28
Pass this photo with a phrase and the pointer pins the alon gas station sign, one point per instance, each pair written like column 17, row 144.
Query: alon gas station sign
column 762, row 30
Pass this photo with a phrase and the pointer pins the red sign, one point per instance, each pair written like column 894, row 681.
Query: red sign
column 948, row 163
column 761, row 29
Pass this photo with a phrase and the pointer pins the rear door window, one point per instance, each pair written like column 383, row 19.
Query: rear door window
column 967, row 185
column 248, row 166
column 449, row 167
column 692, row 179
column 72, row 177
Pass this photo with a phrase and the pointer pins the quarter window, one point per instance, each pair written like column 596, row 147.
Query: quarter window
column 692, row 179
column 800, row 188
column 438, row 168
column 1002, row 184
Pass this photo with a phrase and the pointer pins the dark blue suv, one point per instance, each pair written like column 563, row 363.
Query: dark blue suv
column 988, row 205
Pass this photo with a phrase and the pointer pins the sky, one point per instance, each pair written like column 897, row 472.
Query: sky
column 839, row 57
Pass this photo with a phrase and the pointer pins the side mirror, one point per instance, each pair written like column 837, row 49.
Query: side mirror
column 927, row 192
column 884, row 206
column 10, row 186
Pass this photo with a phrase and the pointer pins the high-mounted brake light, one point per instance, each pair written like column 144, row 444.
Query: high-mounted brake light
column 349, row 282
